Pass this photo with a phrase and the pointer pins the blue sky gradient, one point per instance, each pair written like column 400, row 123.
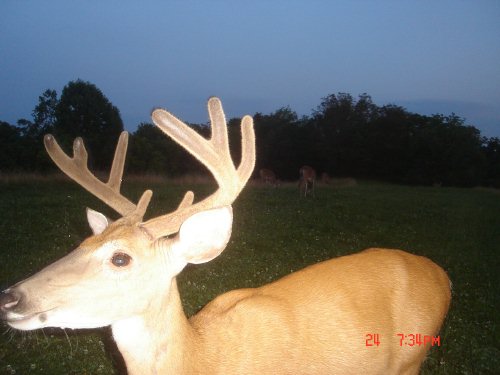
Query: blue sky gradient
column 429, row 57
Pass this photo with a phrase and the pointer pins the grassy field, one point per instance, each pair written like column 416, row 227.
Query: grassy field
column 274, row 234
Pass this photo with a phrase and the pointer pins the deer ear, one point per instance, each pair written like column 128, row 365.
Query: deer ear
column 204, row 235
column 97, row 221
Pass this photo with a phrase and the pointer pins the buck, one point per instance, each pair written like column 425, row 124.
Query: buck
column 320, row 320
column 268, row 177
column 307, row 179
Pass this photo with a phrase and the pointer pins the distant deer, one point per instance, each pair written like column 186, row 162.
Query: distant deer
column 325, row 178
column 320, row 320
column 307, row 180
column 268, row 177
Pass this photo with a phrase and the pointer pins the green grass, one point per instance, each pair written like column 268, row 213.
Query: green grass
column 275, row 232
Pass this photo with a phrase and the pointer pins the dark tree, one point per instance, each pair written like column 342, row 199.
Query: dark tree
column 387, row 144
column 44, row 114
column 491, row 151
column 339, row 133
column 84, row 111
column 343, row 137
column 279, row 145
column 44, row 118
column 153, row 152
column 12, row 152
column 446, row 151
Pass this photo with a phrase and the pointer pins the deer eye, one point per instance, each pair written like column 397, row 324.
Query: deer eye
column 121, row 259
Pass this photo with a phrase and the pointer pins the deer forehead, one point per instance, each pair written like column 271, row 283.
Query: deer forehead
column 119, row 235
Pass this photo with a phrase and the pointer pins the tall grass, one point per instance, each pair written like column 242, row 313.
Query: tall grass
column 275, row 232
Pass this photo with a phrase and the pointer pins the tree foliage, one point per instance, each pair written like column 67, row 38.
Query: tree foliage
column 279, row 142
column 44, row 114
column 22, row 146
column 492, row 155
column 11, row 146
column 84, row 111
column 151, row 152
column 344, row 137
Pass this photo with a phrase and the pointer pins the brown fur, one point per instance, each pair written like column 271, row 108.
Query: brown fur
column 307, row 180
column 313, row 321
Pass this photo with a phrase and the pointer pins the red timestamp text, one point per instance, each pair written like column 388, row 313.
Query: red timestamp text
column 372, row 339
column 410, row 339
column 415, row 339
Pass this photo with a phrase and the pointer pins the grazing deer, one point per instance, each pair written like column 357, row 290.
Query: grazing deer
column 320, row 320
column 307, row 180
column 268, row 177
column 325, row 178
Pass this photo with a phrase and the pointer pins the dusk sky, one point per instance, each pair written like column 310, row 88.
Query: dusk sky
column 257, row 56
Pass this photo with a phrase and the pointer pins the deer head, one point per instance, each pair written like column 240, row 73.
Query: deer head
column 122, row 255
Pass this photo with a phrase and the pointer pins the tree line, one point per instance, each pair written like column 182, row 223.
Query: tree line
column 343, row 137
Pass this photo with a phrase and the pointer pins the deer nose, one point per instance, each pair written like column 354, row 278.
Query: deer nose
column 8, row 300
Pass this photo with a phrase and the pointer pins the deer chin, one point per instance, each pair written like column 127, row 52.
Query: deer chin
column 53, row 318
column 26, row 322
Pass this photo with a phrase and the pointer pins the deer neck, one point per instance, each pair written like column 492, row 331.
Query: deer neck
column 161, row 341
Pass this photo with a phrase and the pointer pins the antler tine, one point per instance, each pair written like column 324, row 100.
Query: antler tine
column 76, row 168
column 116, row 173
column 206, row 151
column 219, row 139
column 247, row 162
column 215, row 155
